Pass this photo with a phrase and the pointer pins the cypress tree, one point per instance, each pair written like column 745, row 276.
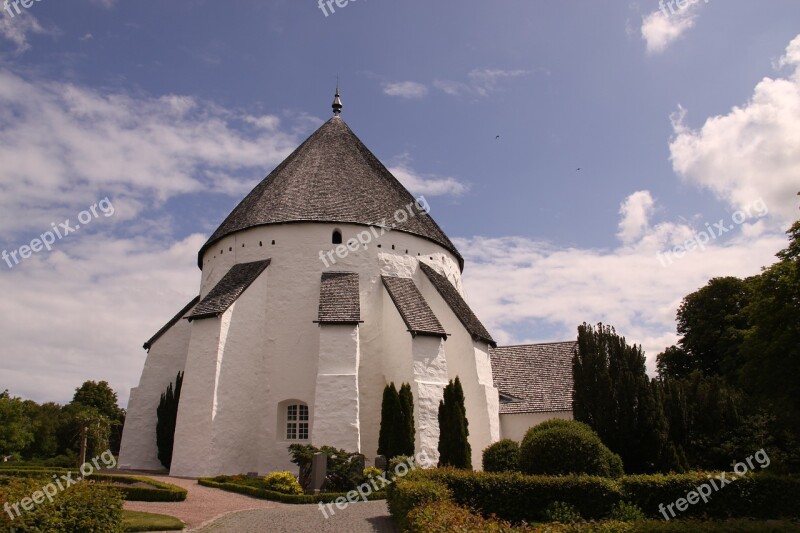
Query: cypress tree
column 390, row 438
column 167, row 415
column 454, row 448
column 407, row 405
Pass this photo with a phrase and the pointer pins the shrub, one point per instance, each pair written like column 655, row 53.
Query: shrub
column 82, row 508
column 562, row 512
column 516, row 497
column 283, row 482
column 626, row 512
column 371, row 472
column 502, row 456
column 446, row 517
column 407, row 494
column 454, row 448
column 564, row 447
column 344, row 468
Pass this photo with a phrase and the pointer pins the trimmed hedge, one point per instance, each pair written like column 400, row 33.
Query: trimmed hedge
column 561, row 447
column 516, row 497
column 406, row 495
column 158, row 491
column 264, row 494
column 502, row 456
column 81, row 508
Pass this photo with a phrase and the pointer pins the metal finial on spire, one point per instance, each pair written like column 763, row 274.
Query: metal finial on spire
column 337, row 101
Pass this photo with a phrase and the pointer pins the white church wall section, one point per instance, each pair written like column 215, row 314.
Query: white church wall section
column 468, row 360
column 336, row 402
column 515, row 426
column 430, row 379
column 164, row 360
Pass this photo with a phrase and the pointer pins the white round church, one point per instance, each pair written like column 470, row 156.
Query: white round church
column 326, row 283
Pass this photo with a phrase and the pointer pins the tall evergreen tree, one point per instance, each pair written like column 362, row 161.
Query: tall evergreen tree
column 390, row 438
column 454, row 447
column 616, row 398
column 407, row 406
column 167, row 414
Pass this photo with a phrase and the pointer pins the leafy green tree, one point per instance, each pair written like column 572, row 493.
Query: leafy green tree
column 16, row 432
column 408, row 433
column 712, row 322
column 771, row 347
column 454, row 448
column 45, row 421
column 100, row 397
column 167, row 418
column 390, row 438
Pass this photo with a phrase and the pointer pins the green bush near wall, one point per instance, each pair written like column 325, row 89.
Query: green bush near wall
column 256, row 491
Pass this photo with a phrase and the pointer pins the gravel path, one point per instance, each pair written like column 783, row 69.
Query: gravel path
column 202, row 503
column 363, row 517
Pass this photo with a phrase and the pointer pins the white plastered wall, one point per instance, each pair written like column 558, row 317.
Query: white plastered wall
column 514, row 427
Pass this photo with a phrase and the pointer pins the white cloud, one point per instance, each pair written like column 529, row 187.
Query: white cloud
column 666, row 25
column 63, row 146
column 430, row 185
column 18, row 28
column 405, row 89
column 635, row 211
column 752, row 152
column 107, row 4
column 481, row 82
column 515, row 282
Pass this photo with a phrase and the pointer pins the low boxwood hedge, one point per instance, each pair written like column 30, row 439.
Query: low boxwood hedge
column 156, row 491
column 520, row 498
column 265, row 494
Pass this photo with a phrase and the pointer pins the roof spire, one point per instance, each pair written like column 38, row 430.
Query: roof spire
column 337, row 102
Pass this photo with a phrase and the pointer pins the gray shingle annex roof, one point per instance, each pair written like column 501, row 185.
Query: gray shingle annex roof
column 331, row 177
column 538, row 374
column 229, row 288
column 339, row 301
column 458, row 305
column 174, row 320
column 416, row 312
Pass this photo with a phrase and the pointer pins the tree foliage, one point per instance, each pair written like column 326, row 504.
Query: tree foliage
column 390, row 438
column 407, row 410
column 615, row 397
column 167, row 414
column 454, row 448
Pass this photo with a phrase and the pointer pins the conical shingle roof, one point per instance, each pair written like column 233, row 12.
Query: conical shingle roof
column 331, row 177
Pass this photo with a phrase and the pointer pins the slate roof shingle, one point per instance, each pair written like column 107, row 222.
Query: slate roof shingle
column 339, row 301
column 331, row 177
column 537, row 376
column 458, row 305
column 416, row 312
column 228, row 289
column 174, row 320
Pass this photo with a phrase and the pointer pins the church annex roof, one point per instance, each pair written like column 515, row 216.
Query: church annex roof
column 174, row 320
column 331, row 177
column 416, row 312
column 229, row 288
column 339, row 301
column 458, row 305
column 536, row 377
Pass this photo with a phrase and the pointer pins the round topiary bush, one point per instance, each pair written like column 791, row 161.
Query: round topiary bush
column 502, row 456
column 283, row 482
column 560, row 447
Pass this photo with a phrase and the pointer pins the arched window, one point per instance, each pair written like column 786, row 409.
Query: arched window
column 297, row 421
column 337, row 237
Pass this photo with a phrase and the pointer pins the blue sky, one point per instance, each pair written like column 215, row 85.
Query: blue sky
column 676, row 118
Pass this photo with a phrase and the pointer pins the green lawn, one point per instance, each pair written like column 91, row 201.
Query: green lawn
column 137, row 521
